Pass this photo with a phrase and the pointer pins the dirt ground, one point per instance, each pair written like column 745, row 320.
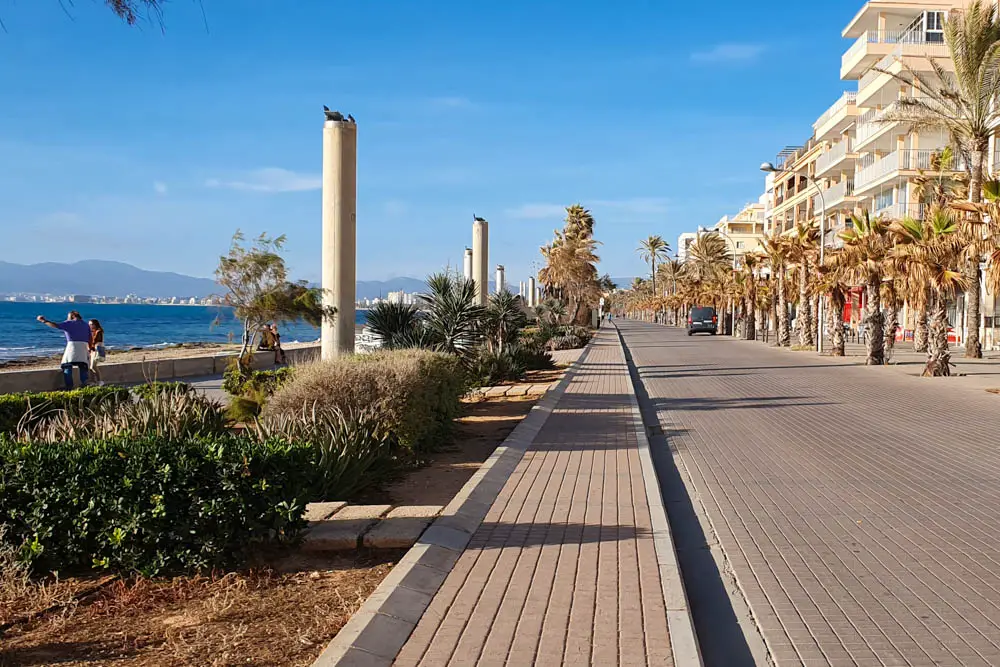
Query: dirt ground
column 267, row 617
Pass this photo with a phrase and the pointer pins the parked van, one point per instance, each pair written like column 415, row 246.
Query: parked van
column 703, row 319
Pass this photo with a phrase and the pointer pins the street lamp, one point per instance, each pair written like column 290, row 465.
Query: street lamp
column 770, row 168
column 732, row 301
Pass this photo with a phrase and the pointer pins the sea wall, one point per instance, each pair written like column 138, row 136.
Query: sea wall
column 162, row 370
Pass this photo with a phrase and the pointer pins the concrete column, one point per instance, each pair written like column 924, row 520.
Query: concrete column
column 467, row 270
column 501, row 279
column 520, row 289
column 340, row 187
column 481, row 259
column 532, row 293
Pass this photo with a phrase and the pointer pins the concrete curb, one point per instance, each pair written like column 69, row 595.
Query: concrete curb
column 680, row 623
column 378, row 630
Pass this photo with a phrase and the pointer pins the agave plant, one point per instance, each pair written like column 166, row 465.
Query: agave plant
column 503, row 320
column 351, row 446
column 394, row 323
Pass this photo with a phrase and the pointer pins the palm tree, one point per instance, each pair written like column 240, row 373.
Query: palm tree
column 502, row 321
column 708, row 258
column 933, row 250
column 652, row 250
column 749, row 264
column 863, row 261
column 671, row 271
column 570, row 271
column 778, row 253
column 393, row 323
column 803, row 247
column 453, row 321
column 831, row 281
column 964, row 106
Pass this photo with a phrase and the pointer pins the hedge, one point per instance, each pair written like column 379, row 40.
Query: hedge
column 416, row 393
column 13, row 407
column 151, row 505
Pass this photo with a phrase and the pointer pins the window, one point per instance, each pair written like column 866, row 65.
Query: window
column 740, row 244
column 934, row 26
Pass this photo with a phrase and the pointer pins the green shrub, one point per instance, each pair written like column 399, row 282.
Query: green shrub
column 354, row 449
column 237, row 383
column 177, row 411
column 417, row 393
column 535, row 358
column 151, row 504
column 14, row 407
column 151, row 389
column 493, row 368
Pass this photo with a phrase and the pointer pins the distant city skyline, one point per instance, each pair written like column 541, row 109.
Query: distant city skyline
column 153, row 147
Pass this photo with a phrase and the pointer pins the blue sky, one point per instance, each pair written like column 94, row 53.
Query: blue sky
column 153, row 146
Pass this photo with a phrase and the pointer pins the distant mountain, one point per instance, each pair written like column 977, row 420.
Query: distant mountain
column 97, row 277
column 372, row 289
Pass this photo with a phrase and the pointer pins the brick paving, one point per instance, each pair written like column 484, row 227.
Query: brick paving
column 563, row 569
column 858, row 507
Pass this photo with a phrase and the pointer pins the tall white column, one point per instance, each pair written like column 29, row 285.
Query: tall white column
column 520, row 289
column 481, row 259
column 501, row 279
column 467, row 267
column 340, row 193
column 532, row 293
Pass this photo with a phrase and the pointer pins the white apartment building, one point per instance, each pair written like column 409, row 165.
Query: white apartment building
column 684, row 242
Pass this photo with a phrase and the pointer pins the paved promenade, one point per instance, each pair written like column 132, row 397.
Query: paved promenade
column 563, row 570
column 859, row 508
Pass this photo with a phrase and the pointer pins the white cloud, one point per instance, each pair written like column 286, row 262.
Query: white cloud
column 620, row 209
column 729, row 53
column 160, row 187
column 269, row 179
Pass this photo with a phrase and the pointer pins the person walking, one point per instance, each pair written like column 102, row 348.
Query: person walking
column 77, row 351
column 97, row 351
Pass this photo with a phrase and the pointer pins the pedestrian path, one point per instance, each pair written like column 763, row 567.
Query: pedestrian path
column 563, row 570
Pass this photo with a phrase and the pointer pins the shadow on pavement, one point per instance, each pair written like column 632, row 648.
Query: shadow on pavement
column 720, row 633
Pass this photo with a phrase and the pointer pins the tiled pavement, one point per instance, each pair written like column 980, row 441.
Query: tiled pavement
column 563, row 569
column 858, row 507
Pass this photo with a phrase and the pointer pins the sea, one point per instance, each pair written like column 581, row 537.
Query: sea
column 128, row 326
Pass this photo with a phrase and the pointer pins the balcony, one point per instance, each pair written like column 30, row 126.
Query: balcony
column 874, row 45
column 899, row 211
column 898, row 161
column 870, row 125
column 835, row 195
column 837, row 117
column 837, row 154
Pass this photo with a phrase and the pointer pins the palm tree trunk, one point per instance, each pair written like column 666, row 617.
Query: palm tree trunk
column 973, row 297
column 938, row 354
column 784, row 333
column 750, row 319
column 920, row 329
column 837, row 302
column 804, row 320
column 874, row 325
column 652, row 268
column 891, row 327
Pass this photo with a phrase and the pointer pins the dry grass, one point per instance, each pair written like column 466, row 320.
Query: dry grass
column 258, row 618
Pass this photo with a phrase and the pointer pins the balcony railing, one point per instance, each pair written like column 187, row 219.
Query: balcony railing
column 874, row 72
column 890, row 37
column 834, row 194
column 908, row 159
column 836, row 153
column 847, row 99
column 898, row 211
column 870, row 123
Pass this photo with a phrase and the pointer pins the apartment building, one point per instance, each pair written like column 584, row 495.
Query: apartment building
column 684, row 242
column 794, row 191
column 745, row 230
